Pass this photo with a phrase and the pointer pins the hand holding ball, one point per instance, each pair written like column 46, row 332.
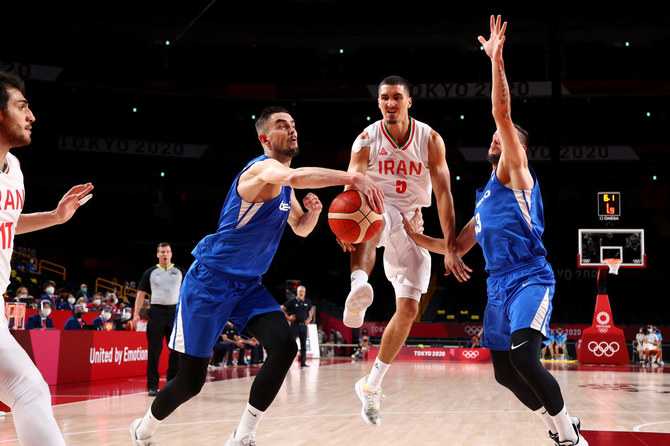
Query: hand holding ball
column 351, row 218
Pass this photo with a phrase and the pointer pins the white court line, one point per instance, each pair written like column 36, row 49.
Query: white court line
column 640, row 426
column 347, row 415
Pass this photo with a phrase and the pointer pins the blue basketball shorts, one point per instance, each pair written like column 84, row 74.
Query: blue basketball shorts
column 518, row 299
column 207, row 300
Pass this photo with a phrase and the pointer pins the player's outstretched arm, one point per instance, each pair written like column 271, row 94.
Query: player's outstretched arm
column 273, row 172
column 465, row 241
column 441, row 181
column 513, row 165
column 67, row 206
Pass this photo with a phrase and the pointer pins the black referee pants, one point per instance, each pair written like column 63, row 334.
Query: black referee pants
column 159, row 327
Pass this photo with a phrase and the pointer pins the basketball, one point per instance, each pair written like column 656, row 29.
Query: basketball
column 351, row 218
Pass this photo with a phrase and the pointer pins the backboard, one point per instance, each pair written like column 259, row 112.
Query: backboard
column 595, row 245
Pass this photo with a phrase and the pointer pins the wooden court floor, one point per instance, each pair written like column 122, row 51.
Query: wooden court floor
column 427, row 404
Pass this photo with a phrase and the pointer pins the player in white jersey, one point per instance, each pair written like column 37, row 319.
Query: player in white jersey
column 22, row 387
column 408, row 159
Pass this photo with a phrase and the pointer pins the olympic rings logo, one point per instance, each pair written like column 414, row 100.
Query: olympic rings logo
column 470, row 354
column 603, row 329
column 472, row 330
column 603, row 348
column 603, row 318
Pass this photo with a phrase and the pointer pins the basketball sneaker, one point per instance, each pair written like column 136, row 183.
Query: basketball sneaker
column 371, row 401
column 133, row 435
column 249, row 440
column 577, row 426
column 358, row 300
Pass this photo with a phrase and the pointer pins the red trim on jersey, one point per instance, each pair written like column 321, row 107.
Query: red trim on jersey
column 395, row 145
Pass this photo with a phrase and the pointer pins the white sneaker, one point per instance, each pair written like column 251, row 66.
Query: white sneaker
column 577, row 426
column 358, row 300
column 133, row 435
column 371, row 401
column 249, row 440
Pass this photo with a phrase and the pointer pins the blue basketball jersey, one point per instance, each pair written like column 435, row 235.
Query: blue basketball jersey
column 509, row 224
column 248, row 233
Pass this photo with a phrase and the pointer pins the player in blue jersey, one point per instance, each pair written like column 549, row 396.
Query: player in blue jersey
column 508, row 225
column 224, row 282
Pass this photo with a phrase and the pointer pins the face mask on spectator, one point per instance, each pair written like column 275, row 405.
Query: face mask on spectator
column 23, row 296
column 70, row 300
column 79, row 314
column 84, row 290
column 45, row 312
column 50, row 290
column 126, row 315
column 105, row 316
column 96, row 302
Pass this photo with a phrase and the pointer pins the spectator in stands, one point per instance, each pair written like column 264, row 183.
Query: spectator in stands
column 255, row 351
column 474, row 342
column 22, row 295
column 96, row 302
column 658, row 357
column 31, row 267
column 225, row 346
column 104, row 321
column 123, row 320
column 650, row 348
column 323, row 338
column 561, row 344
column 84, row 302
column 41, row 319
column 364, row 345
column 49, row 292
column 76, row 321
column 639, row 341
column 67, row 301
column 113, row 300
column 83, row 292
column 548, row 344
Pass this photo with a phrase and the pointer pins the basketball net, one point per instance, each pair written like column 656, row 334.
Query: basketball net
column 613, row 265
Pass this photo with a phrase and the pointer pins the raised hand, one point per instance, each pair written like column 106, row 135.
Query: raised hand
column 72, row 200
column 493, row 46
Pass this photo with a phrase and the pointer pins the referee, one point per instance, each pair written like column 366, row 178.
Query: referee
column 162, row 282
column 299, row 313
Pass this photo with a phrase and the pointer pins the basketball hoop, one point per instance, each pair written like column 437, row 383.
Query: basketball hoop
column 613, row 265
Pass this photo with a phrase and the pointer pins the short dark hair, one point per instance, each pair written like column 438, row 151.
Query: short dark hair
column 394, row 80
column 9, row 80
column 265, row 115
column 162, row 245
column 523, row 134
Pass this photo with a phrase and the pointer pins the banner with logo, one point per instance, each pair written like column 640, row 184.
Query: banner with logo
column 602, row 342
column 438, row 354
column 64, row 356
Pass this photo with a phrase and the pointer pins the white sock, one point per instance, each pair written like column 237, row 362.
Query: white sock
column 148, row 426
column 374, row 381
column 249, row 421
column 563, row 423
column 358, row 277
column 542, row 413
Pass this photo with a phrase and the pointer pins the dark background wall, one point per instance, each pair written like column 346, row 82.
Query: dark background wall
column 589, row 85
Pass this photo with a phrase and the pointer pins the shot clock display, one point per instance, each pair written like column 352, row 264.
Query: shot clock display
column 609, row 205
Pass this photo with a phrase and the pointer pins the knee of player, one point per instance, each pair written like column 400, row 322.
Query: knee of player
column 32, row 390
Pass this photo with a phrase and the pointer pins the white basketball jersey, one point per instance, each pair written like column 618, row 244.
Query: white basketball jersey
column 401, row 171
column 12, row 196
